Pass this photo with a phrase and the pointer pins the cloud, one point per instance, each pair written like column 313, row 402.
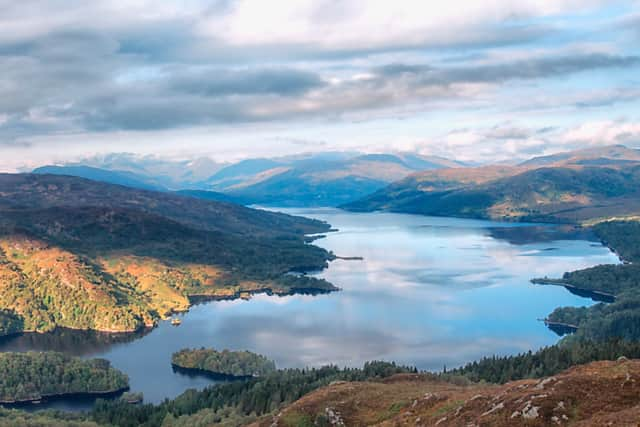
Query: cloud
column 540, row 67
column 361, row 24
column 71, row 67
column 512, row 142
column 216, row 82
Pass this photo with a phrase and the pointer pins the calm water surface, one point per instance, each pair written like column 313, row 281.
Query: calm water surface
column 430, row 292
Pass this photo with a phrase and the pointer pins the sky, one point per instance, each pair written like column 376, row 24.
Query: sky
column 479, row 81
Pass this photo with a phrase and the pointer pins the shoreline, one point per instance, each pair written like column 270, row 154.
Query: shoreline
column 63, row 396
column 560, row 328
column 598, row 296
column 216, row 376
column 194, row 299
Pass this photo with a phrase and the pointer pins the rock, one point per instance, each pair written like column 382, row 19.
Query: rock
column 530, row 412
column 541, row 384
column 441, row 420
column 493, row 409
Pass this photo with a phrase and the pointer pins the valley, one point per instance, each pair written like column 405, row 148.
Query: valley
column 82, row 257
column 319, row 213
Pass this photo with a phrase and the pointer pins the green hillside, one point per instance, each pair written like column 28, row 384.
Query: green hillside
column 552, row 194
column 86, row 255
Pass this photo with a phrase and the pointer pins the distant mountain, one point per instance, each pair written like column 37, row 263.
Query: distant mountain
column 169, row 174
column 578, row 187
column 125, row 178
column 82, row 254
column 239, row 172
column 599, row 156
column 318, row 180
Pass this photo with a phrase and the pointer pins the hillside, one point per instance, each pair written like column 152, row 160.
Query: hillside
column 619, row 284
column 128, row 179
column 86, row 255
column 600, row 393
column 567, row 187
column 549, row 194
column 35, row 192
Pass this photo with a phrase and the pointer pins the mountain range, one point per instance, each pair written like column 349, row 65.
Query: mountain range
column 322, row 179
column 575, row 186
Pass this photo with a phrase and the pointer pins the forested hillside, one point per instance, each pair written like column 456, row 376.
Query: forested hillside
column 86, row 255
column 237, row 403
column 620, row 318
column 550, row 194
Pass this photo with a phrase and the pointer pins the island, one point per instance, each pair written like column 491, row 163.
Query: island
column 36, row 376
column 225, row 363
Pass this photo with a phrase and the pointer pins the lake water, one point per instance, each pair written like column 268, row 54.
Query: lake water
column 430, row 292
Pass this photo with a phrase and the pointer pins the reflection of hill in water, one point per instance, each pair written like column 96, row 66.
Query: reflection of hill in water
column 540, row 233
column 68, row 341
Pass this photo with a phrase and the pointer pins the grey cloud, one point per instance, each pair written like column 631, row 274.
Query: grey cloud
column 159, row 74
column 217, row 82
column 523, row 69
column 85, row 91
column 608, row 98
column 157, row 111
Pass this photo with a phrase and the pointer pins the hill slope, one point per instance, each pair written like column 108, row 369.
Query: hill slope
column 600, row 393
column 128, row 179
column 556, row 194
column 87, row 255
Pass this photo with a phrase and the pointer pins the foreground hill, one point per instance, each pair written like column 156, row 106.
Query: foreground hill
column 600, row 393
column 550, row 194
column 86, row 255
